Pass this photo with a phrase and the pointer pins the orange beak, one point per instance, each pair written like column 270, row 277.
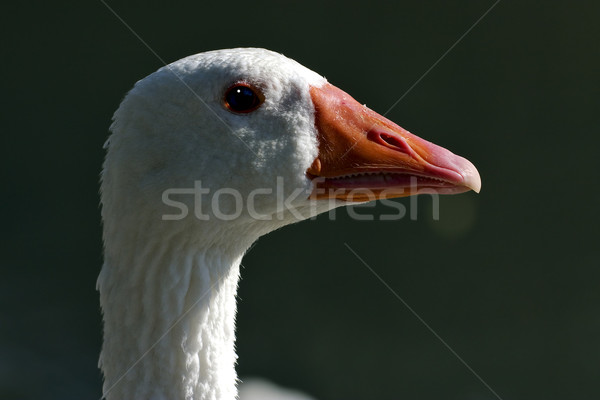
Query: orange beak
column 364, row 156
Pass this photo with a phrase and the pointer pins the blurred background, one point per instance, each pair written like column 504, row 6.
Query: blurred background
column 508, row 278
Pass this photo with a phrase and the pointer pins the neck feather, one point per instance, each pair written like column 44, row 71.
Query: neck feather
column 169, row 314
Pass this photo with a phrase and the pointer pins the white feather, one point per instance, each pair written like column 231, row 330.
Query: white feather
column 167, row 287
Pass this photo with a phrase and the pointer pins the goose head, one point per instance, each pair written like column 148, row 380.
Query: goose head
column 263, row 141
column 206, row 155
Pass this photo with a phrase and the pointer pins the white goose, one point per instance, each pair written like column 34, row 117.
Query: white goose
column 206, row 155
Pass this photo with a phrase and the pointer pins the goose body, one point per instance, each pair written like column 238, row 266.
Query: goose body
column 206, row 155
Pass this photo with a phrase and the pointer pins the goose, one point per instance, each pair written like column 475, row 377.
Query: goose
column 206, row 155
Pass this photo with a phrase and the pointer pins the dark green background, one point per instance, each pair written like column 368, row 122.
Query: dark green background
column 508, row 278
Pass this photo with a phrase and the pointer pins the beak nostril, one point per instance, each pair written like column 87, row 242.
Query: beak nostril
column 392, row 140
column 389, row 140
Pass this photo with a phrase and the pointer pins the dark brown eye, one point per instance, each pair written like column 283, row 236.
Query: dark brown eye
column 243, row 98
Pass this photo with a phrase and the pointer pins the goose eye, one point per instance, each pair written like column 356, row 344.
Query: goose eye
column 242, row 98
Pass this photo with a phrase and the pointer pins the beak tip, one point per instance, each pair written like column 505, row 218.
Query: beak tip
column 472, row 180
